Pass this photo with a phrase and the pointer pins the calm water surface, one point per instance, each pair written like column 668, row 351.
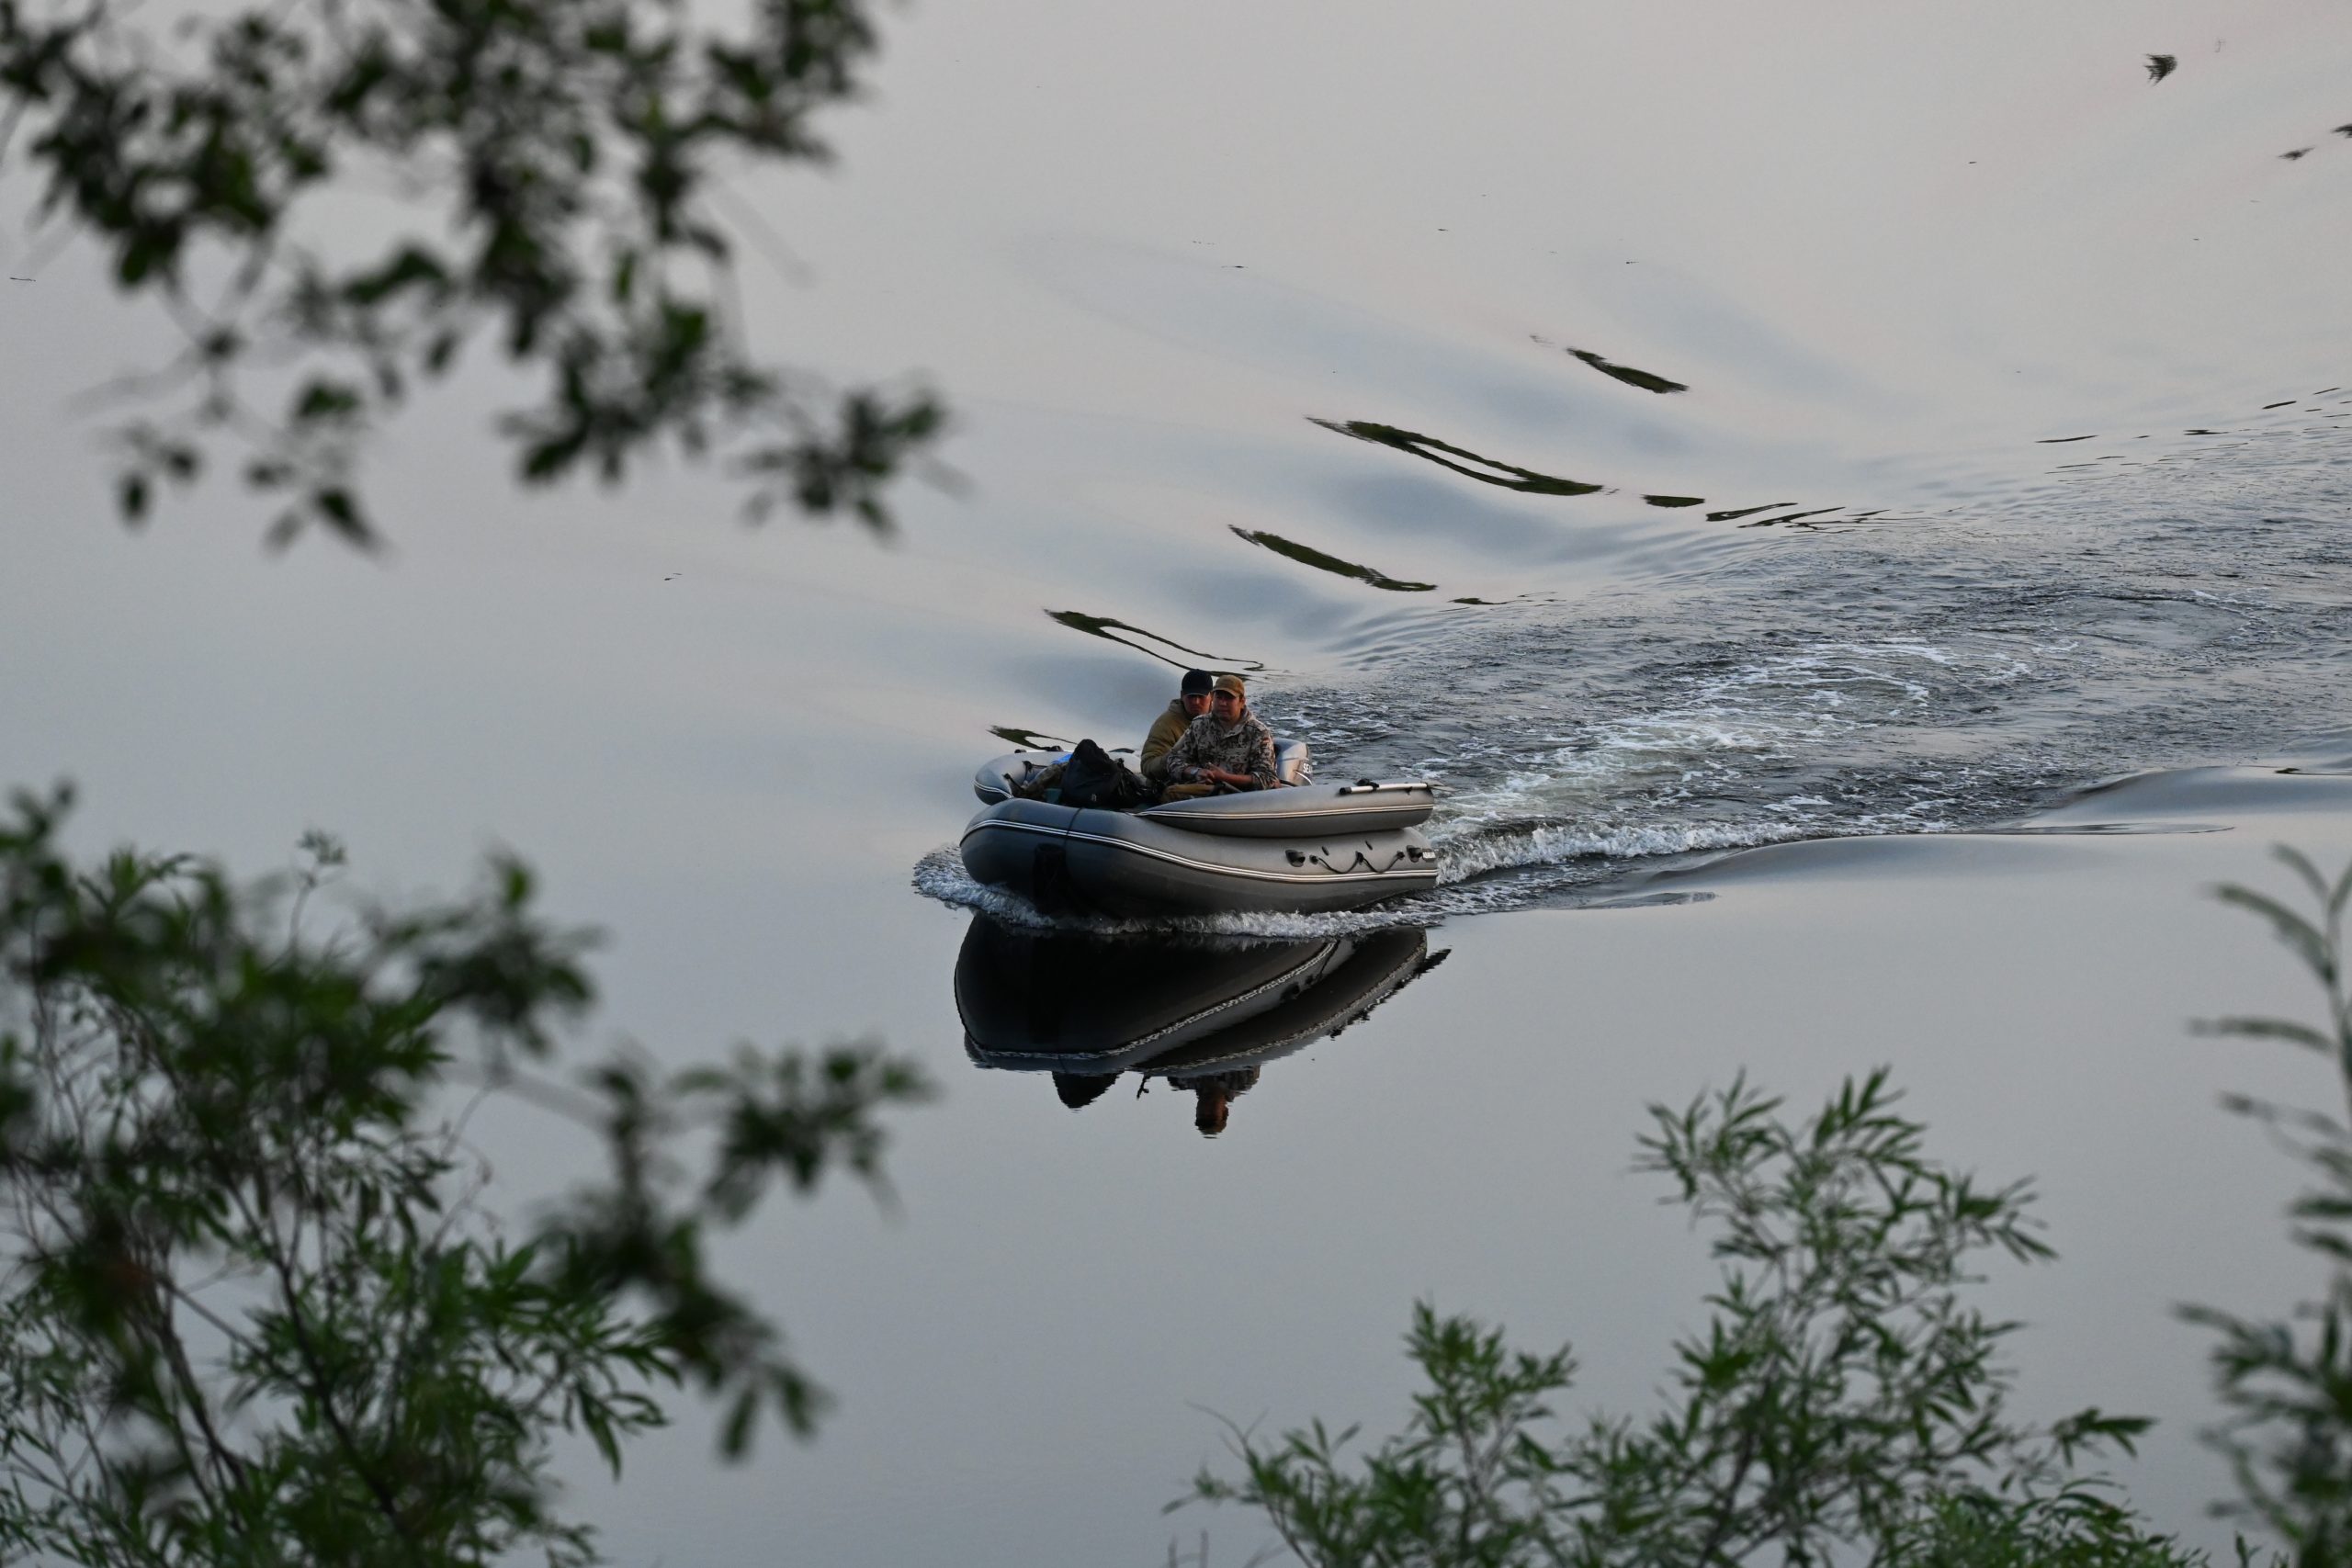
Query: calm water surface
column 1676, row 430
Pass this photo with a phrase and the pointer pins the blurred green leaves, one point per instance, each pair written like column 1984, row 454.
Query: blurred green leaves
column 1843, row 1402
column 2285, row 1383
column 256, row 1306
column 545, row 172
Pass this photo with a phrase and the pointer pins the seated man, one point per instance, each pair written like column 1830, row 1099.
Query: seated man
column 1191, row 701
column 1214, row 1095
column 1227, row 748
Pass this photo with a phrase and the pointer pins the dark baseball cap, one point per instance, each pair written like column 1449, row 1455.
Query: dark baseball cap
column 1196, row 684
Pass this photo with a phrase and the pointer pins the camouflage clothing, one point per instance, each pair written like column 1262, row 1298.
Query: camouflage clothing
column 1245, row 746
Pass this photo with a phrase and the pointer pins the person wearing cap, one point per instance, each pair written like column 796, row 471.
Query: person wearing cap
column 1213, row 1096
column 1192, row 700
column 1227, row 748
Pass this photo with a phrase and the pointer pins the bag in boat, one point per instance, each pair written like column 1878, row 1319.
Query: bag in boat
column 1092, row 779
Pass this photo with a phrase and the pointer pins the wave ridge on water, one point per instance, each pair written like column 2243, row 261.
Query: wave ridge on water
column 1758, row 738
column 1561, row 844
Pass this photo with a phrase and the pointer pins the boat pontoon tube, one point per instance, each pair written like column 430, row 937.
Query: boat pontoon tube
column 1303, row 849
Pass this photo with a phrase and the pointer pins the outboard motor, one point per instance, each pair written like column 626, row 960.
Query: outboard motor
column 1291, row 764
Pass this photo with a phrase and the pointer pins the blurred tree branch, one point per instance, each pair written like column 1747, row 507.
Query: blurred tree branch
column 254, row 1307
column 2286, row 1381
column 555, row 164
column 1844, row 1402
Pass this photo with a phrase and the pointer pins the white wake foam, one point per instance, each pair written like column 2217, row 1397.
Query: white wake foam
column 1489, row 853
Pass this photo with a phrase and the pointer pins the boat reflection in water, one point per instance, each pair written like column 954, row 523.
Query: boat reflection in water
column 1204, row 1019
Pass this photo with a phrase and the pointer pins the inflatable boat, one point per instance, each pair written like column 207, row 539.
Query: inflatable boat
column 1033, row 1002
column 1301, row 848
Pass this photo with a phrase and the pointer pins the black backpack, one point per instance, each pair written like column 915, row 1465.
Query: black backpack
column 1094, row 779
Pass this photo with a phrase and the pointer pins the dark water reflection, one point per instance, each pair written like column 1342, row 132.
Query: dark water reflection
column 1632, row 376
column 1028, row 739
column 1307, row 554
column 1202, row 1017
column 1509, row 475
column 1460, row 459
column 1111, row 629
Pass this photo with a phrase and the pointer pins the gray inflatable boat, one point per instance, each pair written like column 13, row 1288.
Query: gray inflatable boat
column 1303, row 848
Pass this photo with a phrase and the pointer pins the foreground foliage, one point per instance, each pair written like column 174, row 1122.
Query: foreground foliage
column 253, row 1306
column 2287, row 1381
column 1843, row 1404
column 334, row 198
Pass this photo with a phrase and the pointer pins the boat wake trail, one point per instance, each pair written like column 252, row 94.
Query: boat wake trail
column 1951, row 678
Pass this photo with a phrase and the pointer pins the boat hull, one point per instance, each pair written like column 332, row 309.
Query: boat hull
column 1300, row 813
column 1059, row 857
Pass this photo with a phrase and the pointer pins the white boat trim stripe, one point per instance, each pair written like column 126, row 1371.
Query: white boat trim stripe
column 1324, row 878
column 1178, row 816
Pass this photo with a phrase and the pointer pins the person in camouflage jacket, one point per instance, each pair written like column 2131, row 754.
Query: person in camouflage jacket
column 1228, row 745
